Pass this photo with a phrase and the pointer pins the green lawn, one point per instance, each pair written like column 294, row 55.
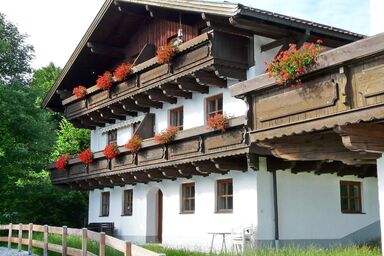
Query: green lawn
column 312, row 251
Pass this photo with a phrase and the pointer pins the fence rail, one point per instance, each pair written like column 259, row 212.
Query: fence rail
column 101, row 238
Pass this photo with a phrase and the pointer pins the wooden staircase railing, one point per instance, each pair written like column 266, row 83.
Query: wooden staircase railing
column 104, row 240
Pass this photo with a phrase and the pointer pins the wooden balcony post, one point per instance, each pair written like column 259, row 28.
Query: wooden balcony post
column 102, row 244
column 84, row 242
column 64, row 241
column 45, row 248
column 30, row 237
column 128, row 249
column 10, row 235
column 20, row 237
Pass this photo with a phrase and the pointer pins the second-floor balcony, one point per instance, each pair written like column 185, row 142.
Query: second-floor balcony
column 206, row 61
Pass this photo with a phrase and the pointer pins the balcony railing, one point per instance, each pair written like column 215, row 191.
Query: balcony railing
column 205, row 61
column 197, row 151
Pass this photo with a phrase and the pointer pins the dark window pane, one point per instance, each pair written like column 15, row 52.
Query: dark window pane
column 193, row 204
column 343, row 190
column 230, row 203
column 344, row 204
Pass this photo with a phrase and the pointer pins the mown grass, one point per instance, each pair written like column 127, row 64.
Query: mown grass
column 93, row 247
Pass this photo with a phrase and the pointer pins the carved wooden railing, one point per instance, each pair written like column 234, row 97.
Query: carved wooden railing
column 204, row 61
column 196, row 151
column 126, row 248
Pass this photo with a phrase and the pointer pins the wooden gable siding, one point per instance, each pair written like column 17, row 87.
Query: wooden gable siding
column 156, row 32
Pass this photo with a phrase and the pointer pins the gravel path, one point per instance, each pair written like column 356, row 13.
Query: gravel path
column 12, row 252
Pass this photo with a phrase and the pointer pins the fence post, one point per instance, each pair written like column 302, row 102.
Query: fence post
column 45, row 253
column 84, row 242
column 102, row 244
column 64, row 242
column 10, row 235
column 128, row 249
column 30, row 235
column 20, row 237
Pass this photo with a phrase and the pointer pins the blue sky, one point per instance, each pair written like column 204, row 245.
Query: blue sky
column 55, row 26
column 347, row 14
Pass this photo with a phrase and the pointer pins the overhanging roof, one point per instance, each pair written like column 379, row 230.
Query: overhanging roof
column 80, row 61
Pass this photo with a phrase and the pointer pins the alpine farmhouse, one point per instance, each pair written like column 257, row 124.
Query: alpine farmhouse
column 295, row 164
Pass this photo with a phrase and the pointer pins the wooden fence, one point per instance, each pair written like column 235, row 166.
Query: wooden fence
column 104, row 240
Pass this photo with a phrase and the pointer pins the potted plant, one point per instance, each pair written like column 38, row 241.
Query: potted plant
column 86, row 156
column 79, row 91
column 167, row 135
column 62, row 162
column 111, row 151
column 122, row 71
column 218, row 122
column 105, row 81
column 134, row 144
column 165, row 53
column 287, row 67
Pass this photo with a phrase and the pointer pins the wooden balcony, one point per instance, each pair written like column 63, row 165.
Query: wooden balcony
column 203, row 62
column 198, row 151
column 337, row 114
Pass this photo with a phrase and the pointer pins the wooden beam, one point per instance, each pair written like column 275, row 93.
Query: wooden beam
column 189, row 170
column 143, row 101
column 106, row 50
column 79, row 124
column 275, row 164
column 305, row 166
column 190, row 85
column 130, row 105
column 209, row 79
column 148, row 52
column 156, row 174
column 172, row 172
column 86, row 120
column 273, row 44
column 207, row 167
column 329, row 167
column 235, row 164
column 143, row 177
column 173, row 90
column 317, row 146
column 118, row 109
column 363, row 137
column 158, row 95
column 107, row 113
column 96, row 117
column 64, row 94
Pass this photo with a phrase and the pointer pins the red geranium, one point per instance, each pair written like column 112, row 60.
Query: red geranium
column 218, row 122
column 165, row 53
column 62, row 162
column 287, row 67
column 111, row 151
column 166, row 135
column 86, row 156
column 80, row 91
column 105, row 81
column 122, row 71
column 134, row 144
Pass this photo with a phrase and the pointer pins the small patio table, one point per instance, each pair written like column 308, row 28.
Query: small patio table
column 223, row 243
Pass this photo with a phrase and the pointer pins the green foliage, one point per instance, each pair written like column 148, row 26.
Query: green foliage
column 15, row 53
column 70, row 140
column 43, row 79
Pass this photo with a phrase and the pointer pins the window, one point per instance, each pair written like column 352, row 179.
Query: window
column 104, row 204
column 214, row 105
column 112, row 137
column 127, row 202
column 188, row 198
column 224, row 195
column 176, row 117
column 350, row 196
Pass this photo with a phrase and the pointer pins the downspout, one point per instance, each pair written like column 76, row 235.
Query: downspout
column 275, row 209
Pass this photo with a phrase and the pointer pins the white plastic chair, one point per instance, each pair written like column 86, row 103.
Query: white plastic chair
column 239, row 238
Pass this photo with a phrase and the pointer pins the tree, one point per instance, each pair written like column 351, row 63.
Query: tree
column 15, row 53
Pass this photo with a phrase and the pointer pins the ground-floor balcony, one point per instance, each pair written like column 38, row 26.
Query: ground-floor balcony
column 194, row 152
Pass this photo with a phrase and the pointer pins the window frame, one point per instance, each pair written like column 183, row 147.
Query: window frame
column 217, row 111
column 127, row 200
column 177, row 110
column 102, row 204
column 349, row 197
column 219, row 196
column 190, row 199
column 109, row 135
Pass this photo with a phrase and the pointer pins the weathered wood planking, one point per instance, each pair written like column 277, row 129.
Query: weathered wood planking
column 182, row 148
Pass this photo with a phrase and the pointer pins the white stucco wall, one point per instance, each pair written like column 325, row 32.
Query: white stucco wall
column 380, row 177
